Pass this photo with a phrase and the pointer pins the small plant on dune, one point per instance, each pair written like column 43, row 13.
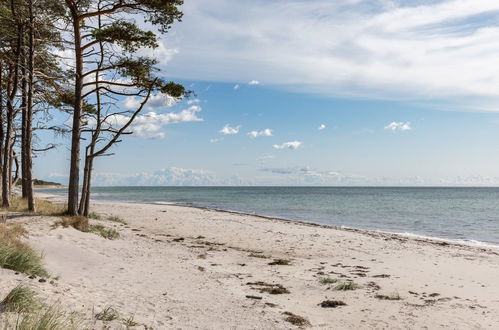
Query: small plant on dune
column 107, row 314
column 93, row 215
column 297, row 320
column 115, row 218
column 129, row 322
column 108, row 233
column 281, row 262
column 17, row 255
column 20, row 299
column 328, row 280
column 346, row 286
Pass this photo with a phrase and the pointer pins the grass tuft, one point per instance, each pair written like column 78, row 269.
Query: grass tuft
column 130, row 322
column 45, row 318
column 81, row 223
column 77, row 222
column 20, row 299
column 346, row 286
column 297, row 320
column 115, row 218
column 328, row 280
column 107, row 314
column 93, row 215
column 17, row 255
column 107, row 233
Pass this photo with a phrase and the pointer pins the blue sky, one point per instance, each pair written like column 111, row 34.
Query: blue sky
column 318, row 93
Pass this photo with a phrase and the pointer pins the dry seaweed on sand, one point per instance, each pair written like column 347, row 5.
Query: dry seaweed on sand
column 332, row 303
column 296, row 319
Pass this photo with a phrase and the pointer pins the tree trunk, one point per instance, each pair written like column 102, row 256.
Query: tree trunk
column 1, row 123
column 24, row 102
column 74, row 171
column 28, row 178
column 85, row 191
column 12, row 91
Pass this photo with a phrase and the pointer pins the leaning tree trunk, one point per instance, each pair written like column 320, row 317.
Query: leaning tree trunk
column 74, row 171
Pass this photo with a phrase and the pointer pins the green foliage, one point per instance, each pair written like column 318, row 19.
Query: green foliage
column 162, row 13
column 126, row 35
column 173, row 89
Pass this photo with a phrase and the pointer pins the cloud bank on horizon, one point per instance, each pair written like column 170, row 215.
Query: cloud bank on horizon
column 439, row 51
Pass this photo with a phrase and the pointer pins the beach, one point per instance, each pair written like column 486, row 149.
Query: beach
column 177, row 267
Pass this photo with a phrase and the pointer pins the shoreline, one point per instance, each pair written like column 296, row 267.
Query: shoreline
column 483, row 246
column 181, row 266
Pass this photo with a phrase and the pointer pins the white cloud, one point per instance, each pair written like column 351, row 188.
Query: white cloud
column 194, row 101
column 288, row 145
column 438, row 50
column 398, row 126
column 173, row 176
column 253, row 82
column 216, row 140
column 149, row 125
column 236, row 87
column 155, row 102
column 227, row 130
column 265, row 132
column 321, row 127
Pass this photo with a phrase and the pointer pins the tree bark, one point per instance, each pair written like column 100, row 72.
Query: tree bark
column 74, row 172
column 28, row 178
column 2, row 134
column 12, row 91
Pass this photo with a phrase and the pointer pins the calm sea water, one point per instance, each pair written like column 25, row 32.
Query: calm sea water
column 463, row 214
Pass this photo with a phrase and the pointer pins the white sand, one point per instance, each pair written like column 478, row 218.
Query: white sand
column 201, row 283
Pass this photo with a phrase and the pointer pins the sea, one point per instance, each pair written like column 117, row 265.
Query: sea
column 465, row 215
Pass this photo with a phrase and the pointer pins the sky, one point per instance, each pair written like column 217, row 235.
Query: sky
column 316, row 92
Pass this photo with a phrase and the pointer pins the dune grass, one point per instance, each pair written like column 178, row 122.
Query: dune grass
column 17, row 255
column 23, row 311
column 20, row 299
column 43, row 206
column 45, row 318
column 81, row 223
